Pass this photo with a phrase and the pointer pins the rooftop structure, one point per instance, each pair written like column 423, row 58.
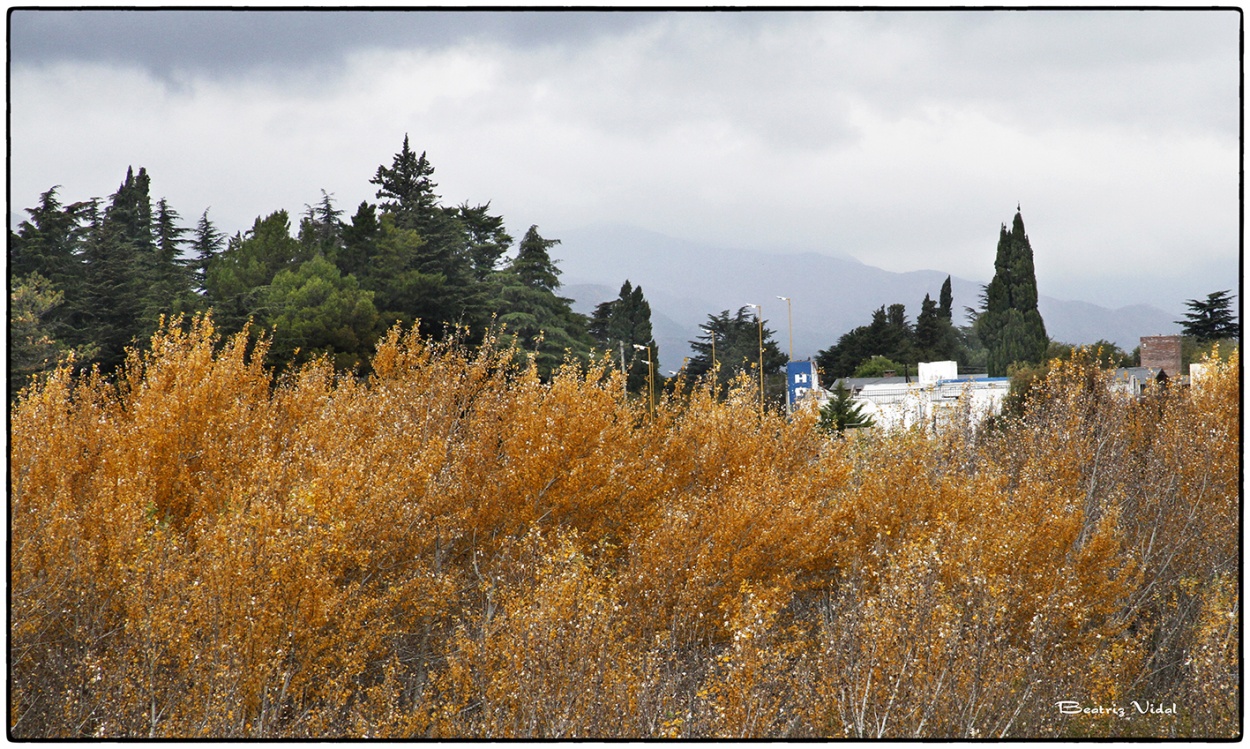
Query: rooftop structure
column 1162, row 352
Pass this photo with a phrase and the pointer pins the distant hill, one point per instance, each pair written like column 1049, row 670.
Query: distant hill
column 685, row 282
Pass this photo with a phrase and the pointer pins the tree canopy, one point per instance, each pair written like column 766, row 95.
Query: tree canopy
column 736, row 340
column 1212, row 318
column 108, row 270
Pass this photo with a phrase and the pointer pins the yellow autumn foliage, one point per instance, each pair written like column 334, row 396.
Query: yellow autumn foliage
column 452, row 547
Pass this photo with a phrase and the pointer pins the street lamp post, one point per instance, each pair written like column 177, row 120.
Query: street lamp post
column 624, row 370
column 711, row 332
column 790, row 317
column 790, row 320
column 650, row 380
column 759, row 318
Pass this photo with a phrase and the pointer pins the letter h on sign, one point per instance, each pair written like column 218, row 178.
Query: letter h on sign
column 800, row 378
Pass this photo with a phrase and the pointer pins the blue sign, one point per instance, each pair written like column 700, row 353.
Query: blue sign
column 800, row 380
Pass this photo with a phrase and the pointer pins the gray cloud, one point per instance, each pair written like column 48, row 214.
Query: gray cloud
column 238, row 41
column 903, row 139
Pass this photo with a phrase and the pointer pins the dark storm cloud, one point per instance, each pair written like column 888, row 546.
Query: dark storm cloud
column 231, row 42
column 896, row 137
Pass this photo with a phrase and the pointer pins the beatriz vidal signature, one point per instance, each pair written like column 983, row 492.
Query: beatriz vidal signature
column 1136, row 707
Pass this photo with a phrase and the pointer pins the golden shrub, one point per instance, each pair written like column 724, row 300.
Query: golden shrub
column 453, row 547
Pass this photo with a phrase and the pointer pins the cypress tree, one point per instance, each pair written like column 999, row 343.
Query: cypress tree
column 945, row 300
column 928, row 330
column 626, row 320
column 1011, row 326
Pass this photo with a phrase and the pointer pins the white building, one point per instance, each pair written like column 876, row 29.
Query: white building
column 936, row 396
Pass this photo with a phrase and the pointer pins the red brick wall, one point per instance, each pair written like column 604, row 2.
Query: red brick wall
column 1162, row 352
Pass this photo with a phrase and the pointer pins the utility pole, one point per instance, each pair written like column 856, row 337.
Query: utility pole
column 759, row 318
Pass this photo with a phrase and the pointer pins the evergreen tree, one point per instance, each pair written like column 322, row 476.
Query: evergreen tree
column 314, row 309
column 237, row 277
column 451, row 285
column 321, row 229
column 33, row 344
column 51, row 243
column 945, row 300
column 403, row 292
column 622, row 323
column 889, row 334
column 1211, row 319
column 936, row 338
column 118, row 270
column 169, row 278
column 487, row 239
column 1010, row 325
column 737, row 344
column 205, row 247
column 899, row 337
column 841, row 413
column 929, row 331
column 533, row 264
column 530, row 309
column 407, row 190
column 360, row 239
column 48, row 243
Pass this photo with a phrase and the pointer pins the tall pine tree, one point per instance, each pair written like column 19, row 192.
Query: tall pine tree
column 530, row 309
column 206, row 245
column 116, row 257
column 169, row 277
column 450, row 292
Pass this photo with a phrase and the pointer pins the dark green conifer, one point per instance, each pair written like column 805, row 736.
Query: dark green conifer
column 206, row 245
column 737, row 344
column 1010, row 325
column 542, row 321
column 1211, row 319
column 622, row 323
column 841, row 413
column 117, row 270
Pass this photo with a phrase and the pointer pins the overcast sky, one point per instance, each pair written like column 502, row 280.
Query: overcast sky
column 903, row 139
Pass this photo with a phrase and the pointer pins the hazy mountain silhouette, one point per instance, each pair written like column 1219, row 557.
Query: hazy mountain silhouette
column 686, row 281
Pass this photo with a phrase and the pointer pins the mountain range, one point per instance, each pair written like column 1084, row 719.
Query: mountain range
column 687, row 281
